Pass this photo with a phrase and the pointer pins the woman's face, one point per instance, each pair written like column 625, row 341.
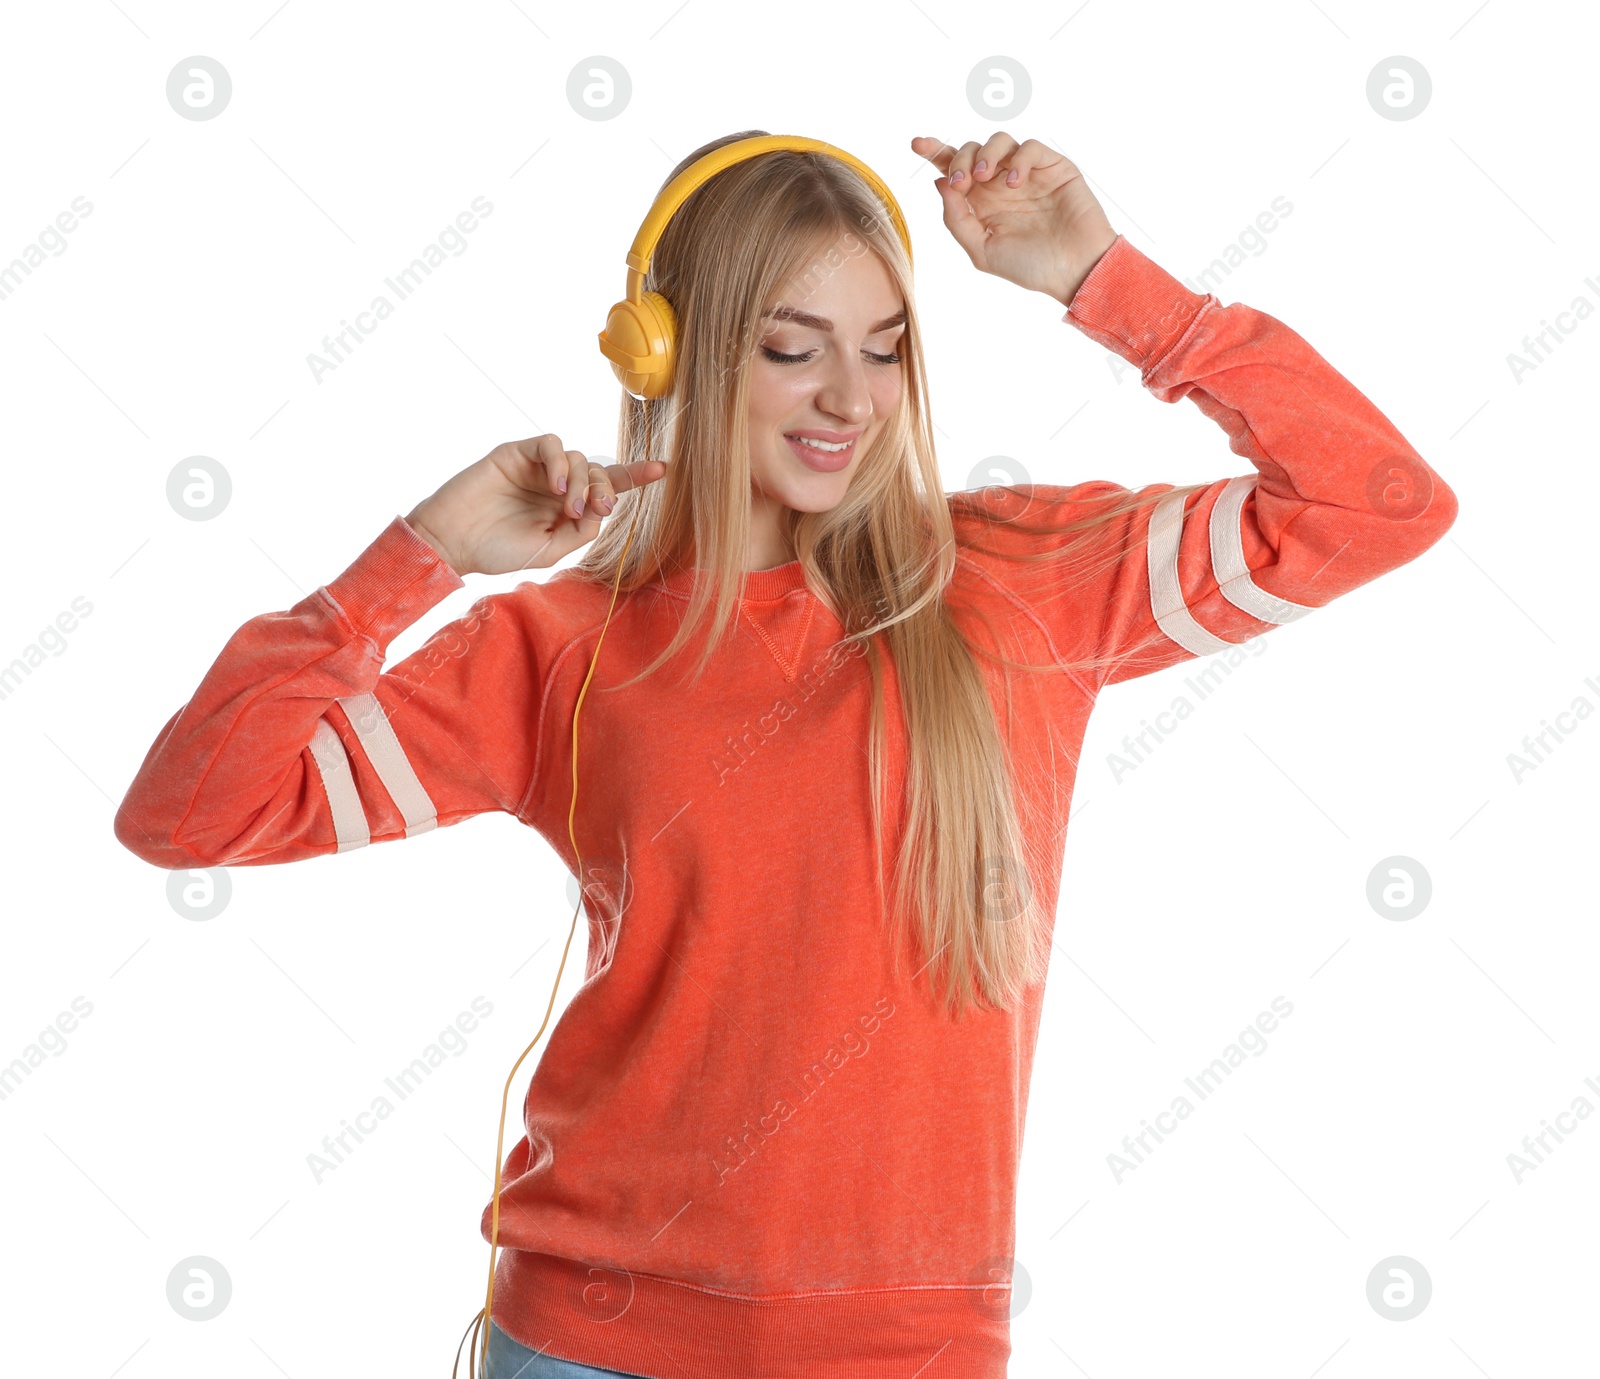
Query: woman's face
column 839, row 320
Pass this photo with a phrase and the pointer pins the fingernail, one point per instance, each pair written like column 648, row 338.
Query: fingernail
column 982, row 164
column 1011, row 177
column 957, row 176
column 561, row 484
column 578, row 507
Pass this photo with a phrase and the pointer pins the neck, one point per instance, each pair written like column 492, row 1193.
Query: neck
column 769, row 540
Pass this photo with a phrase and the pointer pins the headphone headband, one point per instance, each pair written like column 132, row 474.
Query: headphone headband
column 702, row 170
column 640, row 329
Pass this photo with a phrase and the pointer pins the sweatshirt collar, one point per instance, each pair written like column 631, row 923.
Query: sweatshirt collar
column 760, row 586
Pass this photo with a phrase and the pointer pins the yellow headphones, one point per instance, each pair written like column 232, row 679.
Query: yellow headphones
column 638, row 340
column 641, row 329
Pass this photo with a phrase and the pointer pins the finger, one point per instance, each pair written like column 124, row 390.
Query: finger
column 618, row 478
column 600, row 487
column 636, row 475
column 1030, row 154
column 525, row 463
column 995, row 149
column 960, row 220
column 936, row 151
column 961, row 165
column 578, row 497
column 600, row 496
column 595, row 497
column 548, row 452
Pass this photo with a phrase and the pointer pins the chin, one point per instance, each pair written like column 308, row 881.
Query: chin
column 810, row 492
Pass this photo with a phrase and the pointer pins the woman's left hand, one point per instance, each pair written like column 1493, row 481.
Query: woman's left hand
column 1026, row 214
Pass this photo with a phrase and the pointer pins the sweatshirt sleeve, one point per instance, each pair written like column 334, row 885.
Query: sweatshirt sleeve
column 297, row 743
column 1336, row 496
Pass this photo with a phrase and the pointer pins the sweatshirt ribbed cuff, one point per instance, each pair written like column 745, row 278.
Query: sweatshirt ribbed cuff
column 1134, row 307
column 392, row 583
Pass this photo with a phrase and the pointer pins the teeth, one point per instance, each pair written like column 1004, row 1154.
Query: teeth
column 834, row 446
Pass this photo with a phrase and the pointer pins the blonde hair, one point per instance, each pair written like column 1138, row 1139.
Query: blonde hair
column 881, row 559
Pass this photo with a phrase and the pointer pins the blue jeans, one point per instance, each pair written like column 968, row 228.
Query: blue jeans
column 509, row 1359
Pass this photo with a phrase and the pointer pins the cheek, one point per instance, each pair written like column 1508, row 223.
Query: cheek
column 774, row 395
column 886, row 389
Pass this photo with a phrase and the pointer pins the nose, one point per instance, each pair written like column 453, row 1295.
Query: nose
column 842, row 391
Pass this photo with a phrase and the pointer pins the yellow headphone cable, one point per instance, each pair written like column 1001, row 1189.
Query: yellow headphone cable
column 500, row 1139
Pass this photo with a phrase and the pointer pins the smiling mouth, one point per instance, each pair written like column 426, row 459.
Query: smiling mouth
column 825, row 456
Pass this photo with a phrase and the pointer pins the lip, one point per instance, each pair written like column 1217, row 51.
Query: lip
column 823, row 462
column 818, row 434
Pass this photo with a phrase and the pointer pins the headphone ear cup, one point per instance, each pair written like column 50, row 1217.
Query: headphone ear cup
column 639, row 340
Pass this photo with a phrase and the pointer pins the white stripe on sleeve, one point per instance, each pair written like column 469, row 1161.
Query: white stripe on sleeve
column 1166, row 593
column 339, row 784
column 1228, row 562
column 389, row 760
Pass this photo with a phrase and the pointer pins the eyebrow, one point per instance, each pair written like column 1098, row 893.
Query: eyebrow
column 807, row 318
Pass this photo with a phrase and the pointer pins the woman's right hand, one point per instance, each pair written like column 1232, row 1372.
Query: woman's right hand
column 523, row 506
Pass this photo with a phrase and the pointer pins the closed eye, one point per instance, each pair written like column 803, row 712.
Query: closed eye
column 778, row 358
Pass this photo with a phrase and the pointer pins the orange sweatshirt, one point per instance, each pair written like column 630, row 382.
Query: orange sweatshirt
column 749, row 1148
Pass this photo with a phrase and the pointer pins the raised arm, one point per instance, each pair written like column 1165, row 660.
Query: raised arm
column 1337, row 495
column 296, row 743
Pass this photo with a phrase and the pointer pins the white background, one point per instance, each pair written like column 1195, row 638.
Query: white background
column 1229, row 869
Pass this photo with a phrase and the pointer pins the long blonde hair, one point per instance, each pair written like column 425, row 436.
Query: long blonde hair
column 881, row 559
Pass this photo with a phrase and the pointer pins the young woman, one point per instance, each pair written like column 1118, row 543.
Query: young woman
column 828, row 749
